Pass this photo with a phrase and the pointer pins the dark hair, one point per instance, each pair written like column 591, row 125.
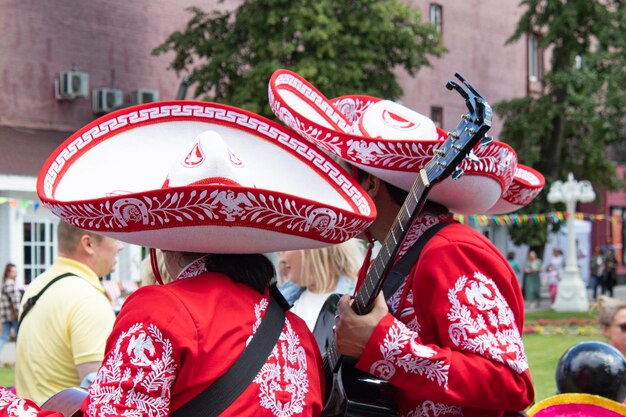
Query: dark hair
column 510, row 255
column 398, row 195
column 6, row 269
column 254, row 270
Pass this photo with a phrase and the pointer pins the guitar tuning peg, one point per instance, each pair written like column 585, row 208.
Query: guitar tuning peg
column 486, row 140
column 458, row 173
column 472, row 157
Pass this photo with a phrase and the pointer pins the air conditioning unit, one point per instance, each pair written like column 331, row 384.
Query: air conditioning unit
column 71, row 85
column 105, row 100
column 142, row 96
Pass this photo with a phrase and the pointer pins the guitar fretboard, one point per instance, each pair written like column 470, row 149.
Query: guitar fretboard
column 376, row 274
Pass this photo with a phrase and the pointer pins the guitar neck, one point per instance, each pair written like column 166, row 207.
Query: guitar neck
column 377, row 273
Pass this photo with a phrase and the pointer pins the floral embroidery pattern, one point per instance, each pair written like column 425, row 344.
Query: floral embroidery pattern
column 482, row 322
column 15, row 406
column 352, row 107
column 400, row 349
column 283, row 380
column 229, row 206
column 151, row 373
column 431, row 409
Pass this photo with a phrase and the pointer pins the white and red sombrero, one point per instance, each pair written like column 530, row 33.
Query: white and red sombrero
column 202, row 177
column 394, row 143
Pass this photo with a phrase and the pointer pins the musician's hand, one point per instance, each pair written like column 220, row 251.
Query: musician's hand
column 353, row 331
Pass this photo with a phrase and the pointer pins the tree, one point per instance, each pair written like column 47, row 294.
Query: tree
column 342, row 47
column 578, row 124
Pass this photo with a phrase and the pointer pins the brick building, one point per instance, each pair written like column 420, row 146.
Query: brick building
column 64, row 61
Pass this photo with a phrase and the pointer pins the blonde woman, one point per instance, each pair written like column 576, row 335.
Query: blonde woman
column 613, row 321
column 318, row 273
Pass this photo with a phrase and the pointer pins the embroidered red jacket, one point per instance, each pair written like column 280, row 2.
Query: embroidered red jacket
column 453, row 345
column 170, row 342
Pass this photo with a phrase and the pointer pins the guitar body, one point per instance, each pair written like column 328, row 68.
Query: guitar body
column 67, row 402
column 351, row 392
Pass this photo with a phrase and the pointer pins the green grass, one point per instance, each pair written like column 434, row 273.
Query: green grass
column 558, row 315
column 7, row 377
column 543, row 354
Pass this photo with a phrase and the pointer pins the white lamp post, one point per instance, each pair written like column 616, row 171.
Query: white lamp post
column 571, row 293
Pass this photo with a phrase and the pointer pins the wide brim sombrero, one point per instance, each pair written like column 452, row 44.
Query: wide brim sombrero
column 113, row 177
column 348, row 127
column 577, row 405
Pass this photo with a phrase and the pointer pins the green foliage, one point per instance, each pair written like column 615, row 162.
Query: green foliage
column 341, row 47
column 578, row 124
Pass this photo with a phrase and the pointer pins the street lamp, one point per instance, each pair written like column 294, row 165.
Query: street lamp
column 571, row 293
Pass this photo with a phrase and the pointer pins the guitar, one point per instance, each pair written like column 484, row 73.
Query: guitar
column 67, row 402
column 352, row 392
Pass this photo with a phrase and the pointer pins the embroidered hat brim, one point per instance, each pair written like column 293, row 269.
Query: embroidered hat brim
column 576, row 405
column 333, row 125
column 108, row 177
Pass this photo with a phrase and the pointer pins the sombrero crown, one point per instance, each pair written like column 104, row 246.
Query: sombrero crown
column 394, row 143
column 202, row 177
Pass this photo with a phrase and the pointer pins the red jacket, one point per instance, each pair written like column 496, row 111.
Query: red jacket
column 172, row 341
column 453, row 345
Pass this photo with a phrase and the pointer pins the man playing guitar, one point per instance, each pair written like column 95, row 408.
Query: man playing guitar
column 448, row 338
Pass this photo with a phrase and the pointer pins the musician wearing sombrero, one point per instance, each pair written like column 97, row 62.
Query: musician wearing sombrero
column 213, row 187
column 449, row 337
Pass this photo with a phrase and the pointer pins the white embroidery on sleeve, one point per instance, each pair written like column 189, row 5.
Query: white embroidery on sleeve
column 485, row 323
column 150, row 376
column 414, row 361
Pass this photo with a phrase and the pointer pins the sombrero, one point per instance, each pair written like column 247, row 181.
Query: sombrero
column 577, row 405
column 202, row 177
column 394, row 143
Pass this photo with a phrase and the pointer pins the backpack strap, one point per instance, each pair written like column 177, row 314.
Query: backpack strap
column 30, row 303
column 217, row 397
column 402, row 268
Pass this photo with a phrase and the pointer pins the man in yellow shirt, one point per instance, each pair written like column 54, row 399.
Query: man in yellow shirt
column 61, row 339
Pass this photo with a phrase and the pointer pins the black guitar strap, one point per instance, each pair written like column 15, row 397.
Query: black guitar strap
column 402, row 268
column 217, row 397
column 30, row 303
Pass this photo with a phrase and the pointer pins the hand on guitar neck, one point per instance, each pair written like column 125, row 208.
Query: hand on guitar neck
column 353, row 330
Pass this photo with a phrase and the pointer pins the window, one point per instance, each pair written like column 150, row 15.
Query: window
column 38, row 248
column 534, row 58
column 436, row 16
column 436, row 115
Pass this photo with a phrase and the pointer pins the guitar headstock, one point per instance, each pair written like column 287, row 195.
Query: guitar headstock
column 460, row 142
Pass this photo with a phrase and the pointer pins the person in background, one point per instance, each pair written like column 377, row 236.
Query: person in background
column 551, row 280
column 9, row 304
column 597, row 272
column 613, row 321
column 62, row 338
column 320, row 273
column 532, row 280
column 516, row 267
column 610, row 272
column 146, row 274
column 558, row 261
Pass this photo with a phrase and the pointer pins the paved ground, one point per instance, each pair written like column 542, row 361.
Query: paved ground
column 7, row 356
